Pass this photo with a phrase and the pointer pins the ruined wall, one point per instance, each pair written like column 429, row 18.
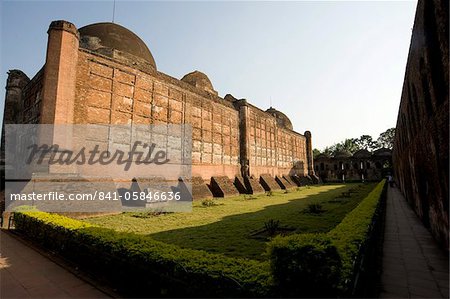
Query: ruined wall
column 421, row 143
column 273, row 149
column 372, row 168
column 111, row 93
column 32, row 98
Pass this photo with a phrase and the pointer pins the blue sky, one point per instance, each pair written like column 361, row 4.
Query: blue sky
column 335, row 68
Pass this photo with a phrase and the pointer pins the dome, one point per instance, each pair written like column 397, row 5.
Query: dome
column 382, row 152
column 101, row 37
column 199, row 80
column 342, row 154
column 282, row 119
column 362, row 153
column 322, row 156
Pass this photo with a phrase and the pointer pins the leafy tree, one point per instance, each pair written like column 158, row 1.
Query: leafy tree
column 351, row 145
column 366, row 142
column 328, row 151
column 386, row 139
column 348, row 145
column 316, row 152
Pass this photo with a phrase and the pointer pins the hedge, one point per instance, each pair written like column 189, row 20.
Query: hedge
column 350, row 235
column 324, row 265
column 142, row 267
column 306, row 265
column 311, row 265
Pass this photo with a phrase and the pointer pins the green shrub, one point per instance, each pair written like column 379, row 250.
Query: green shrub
column 142, row 267
column 305, row 265
column 209, row 203
column 315, row 208
column 149, row 214
column 272, row 226
column 351, row 233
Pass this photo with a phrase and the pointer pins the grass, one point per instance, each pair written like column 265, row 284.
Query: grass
column 232, row 227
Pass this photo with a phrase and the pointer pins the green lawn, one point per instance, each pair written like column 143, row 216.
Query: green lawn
column 235, row 227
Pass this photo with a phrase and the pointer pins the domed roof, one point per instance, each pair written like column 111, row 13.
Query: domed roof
column 199, row 80
column 102, row 36
column 382, row 152
column 362, row 153
column 282, row 119
column 322, row 156
column 342, row 154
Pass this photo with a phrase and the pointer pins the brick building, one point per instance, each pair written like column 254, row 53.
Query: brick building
column 105, row 74
column 361, row 166
column 421, row 150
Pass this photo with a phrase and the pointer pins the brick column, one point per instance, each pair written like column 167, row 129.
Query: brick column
column 13, row 114
column 59, row 81
column 15, row 83
column 60, row 73
column 309, row 153
column 244, row 136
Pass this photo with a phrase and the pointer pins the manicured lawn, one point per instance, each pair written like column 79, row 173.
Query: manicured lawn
column 236, row 226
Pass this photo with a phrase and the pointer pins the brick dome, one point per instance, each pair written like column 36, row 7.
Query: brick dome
column 199, row 80
column 282, row 119
column 105, row 37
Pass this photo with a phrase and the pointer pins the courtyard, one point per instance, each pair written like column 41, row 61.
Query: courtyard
column 241, row 226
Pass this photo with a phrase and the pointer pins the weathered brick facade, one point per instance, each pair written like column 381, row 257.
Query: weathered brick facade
column 361, row 166
column 421, row 143
column 93, row 77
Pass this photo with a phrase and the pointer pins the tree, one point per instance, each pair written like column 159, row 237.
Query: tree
column 329, row 150
column 366, row 142
column 352, row 145
column 386, row 139
column 348, row 145
column 316, row 152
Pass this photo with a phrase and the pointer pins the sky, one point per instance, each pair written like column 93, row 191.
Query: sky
column 334, row 68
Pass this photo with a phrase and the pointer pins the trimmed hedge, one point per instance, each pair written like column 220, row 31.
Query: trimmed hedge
column 142, row 267
column 311, row 265
column 306, row 265
column 323, row 265
column 351, row 234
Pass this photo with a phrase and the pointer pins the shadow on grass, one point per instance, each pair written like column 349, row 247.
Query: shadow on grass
column 234, row 235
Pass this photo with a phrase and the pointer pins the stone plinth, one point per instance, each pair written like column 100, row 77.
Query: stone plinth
column 222, row 186
column 253, row 186
column 283, row 184
column 289, row 181
column 268, row 182
column 194, row 187
column 239, row 183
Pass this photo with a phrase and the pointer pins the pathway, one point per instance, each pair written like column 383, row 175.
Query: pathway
column 25, row 273
column 413, row 264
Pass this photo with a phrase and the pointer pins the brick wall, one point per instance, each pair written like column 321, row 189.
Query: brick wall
column 108, row 92
column 273, row 149
column 32, row 98
column 421, row 143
